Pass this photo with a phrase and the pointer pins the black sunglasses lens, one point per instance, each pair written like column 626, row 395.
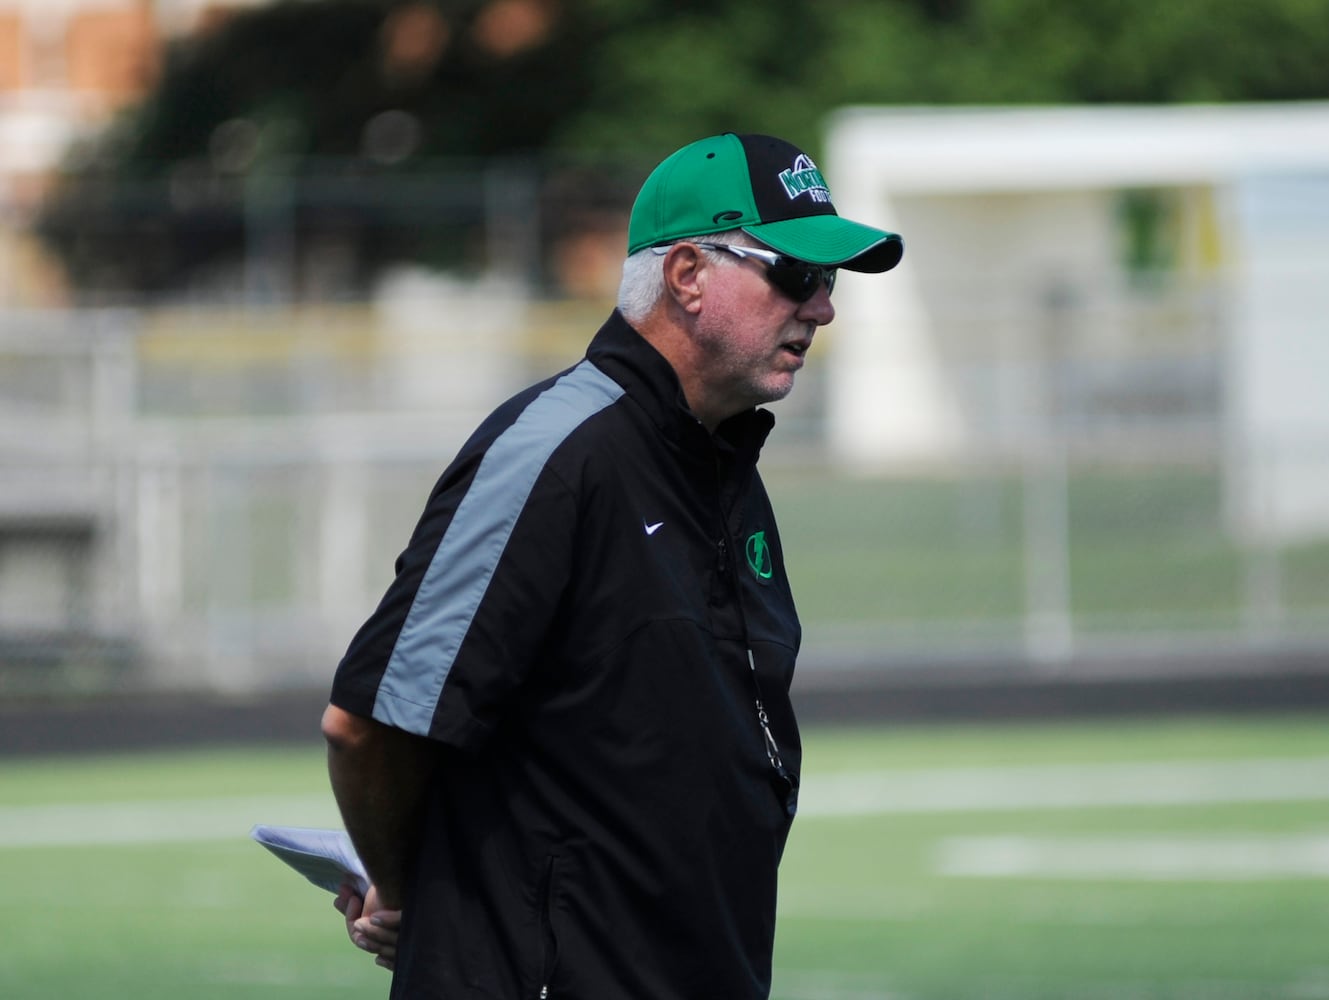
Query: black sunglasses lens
column 792, row 280
column 800, row 281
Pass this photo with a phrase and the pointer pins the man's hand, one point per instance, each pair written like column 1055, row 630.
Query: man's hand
column 368, row 925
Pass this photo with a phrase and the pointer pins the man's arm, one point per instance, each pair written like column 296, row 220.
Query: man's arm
column 379, row 775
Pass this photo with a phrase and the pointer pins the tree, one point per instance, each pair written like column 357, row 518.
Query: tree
column 302, row 110
column 320, row 120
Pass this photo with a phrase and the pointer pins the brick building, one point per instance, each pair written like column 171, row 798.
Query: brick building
column 66, row 67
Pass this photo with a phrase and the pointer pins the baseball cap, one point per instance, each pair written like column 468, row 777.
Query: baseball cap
column 764, row 186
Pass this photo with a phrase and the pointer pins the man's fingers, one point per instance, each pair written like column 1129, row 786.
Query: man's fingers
column 348, row 901
column 353, row 911
column 376, row 933
column 351, row 906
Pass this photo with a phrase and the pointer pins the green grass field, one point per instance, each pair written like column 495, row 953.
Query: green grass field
column 1150, row 859
column 1147, row 549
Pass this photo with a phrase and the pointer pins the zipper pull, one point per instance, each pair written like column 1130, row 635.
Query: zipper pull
column 544, row 992
column 784, row 783
column 723, row 556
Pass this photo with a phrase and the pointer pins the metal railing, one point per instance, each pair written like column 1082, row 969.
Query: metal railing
column 207, row 499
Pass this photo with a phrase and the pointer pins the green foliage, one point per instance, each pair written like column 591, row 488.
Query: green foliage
column 634, row 75
column 283, row 87
column 324, row 68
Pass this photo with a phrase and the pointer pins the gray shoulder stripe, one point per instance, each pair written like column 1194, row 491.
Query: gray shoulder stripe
column 464, row 562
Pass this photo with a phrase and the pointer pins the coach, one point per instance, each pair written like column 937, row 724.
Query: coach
column 563, row 743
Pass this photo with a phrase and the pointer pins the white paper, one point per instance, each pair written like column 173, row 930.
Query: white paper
column 325, row 857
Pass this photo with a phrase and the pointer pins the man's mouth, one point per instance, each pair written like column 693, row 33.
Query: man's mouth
column 799, row 347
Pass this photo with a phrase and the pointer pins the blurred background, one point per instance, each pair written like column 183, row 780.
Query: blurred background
column 263, row 266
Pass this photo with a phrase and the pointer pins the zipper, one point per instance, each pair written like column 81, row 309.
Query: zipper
column 783, row 781
column 548, row 942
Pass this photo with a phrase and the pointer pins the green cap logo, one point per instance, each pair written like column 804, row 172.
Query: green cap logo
column 805, row 178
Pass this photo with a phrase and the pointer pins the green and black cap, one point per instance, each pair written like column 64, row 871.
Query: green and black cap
column 764, row 186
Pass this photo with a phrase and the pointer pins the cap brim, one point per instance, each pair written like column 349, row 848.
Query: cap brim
column 832, row 240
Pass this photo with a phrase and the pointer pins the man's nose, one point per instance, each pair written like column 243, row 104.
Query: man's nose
column 819, row 308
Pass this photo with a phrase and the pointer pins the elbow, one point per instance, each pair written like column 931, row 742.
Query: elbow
column 344, row 730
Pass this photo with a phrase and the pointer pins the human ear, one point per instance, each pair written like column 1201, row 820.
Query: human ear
column 683, row 269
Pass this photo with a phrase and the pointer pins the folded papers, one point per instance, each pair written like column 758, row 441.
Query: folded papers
column 325, row 857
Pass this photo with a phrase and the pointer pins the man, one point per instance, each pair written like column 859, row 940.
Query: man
column 563, row 743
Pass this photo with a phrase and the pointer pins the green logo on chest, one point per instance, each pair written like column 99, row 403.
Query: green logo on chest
column 759, row 556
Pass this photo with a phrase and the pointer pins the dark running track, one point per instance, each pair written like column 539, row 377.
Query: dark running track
column 1204, row 682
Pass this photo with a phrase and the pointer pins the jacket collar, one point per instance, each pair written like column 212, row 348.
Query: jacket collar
column 650, row 381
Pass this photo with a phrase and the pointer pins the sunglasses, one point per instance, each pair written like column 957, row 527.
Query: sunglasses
column 796, row 279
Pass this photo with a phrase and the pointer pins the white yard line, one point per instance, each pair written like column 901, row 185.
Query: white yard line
column 981, row 789
column 1066, row 786
column 164, row 822
column 1133, row 857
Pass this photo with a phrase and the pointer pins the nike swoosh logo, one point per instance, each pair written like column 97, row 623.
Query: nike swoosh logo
column 652, row 528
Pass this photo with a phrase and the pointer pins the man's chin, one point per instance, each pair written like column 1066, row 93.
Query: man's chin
column 777, row 389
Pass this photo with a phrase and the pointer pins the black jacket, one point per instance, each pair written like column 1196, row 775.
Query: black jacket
column 572, row 622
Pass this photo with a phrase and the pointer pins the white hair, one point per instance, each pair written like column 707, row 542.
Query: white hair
column 642, row 285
